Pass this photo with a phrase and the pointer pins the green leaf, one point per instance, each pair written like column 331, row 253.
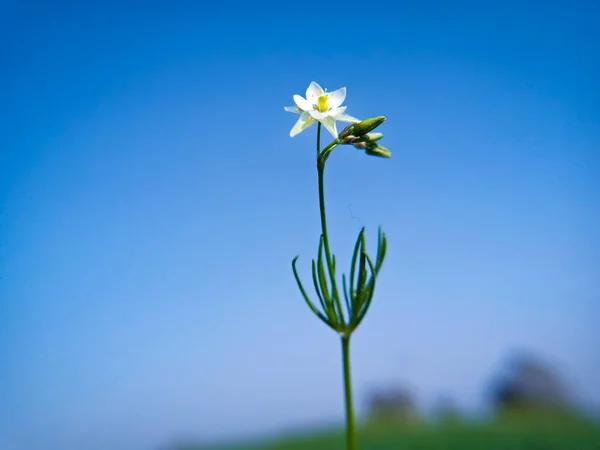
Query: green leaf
column 308, row 302
column 357, row 248
column 381, row 250
column 369, row 291
column 323, row 283
column 348, row 305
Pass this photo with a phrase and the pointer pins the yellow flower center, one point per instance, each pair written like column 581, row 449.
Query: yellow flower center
column 322, row 103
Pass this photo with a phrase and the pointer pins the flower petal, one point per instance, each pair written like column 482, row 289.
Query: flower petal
column 335, row 112
column 329, row 123
column 336, row 98
column 302, row 124
column 313, row 92
column 317, row 114
column 346, row 118
column 293, row 109
column 303, row 104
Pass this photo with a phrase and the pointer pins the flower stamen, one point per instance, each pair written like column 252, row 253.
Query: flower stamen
column 322, row 105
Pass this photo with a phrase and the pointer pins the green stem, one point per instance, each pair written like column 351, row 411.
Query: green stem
column 318, row 140
column 350, row 426
column 321, row 169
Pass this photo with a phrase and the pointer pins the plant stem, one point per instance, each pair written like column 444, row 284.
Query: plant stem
column 321, row 170
column 350, row 426
column 318, row 140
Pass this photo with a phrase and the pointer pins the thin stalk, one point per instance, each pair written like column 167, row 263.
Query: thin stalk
column 350, row 425
column 321, row 169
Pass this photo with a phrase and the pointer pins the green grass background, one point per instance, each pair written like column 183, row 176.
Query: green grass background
column 514, row 434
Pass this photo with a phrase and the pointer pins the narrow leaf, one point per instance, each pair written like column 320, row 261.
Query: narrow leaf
column 308, row 302
column 353, row 264
column 369, row 291
column 348, row 305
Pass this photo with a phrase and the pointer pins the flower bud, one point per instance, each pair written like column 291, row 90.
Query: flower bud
column 347, row 134
column 369, row 137
column 372, row 137
column 375, row 149
column 365, row 126
column 359, row 129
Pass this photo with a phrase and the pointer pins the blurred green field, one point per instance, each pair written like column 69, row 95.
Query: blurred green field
column 505, row 435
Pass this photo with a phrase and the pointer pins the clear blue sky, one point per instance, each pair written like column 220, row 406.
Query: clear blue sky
column 151, row 201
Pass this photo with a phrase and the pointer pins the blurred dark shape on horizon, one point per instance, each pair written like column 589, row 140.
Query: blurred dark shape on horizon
column 530, row 385
column 392, row 404
column 531, row 402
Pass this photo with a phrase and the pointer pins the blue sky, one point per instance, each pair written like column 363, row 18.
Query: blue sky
column 151, row 201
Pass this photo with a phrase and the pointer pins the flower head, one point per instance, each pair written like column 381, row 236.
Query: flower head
column 320, row 105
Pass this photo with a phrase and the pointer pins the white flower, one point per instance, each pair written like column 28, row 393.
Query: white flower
column 321, row 106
